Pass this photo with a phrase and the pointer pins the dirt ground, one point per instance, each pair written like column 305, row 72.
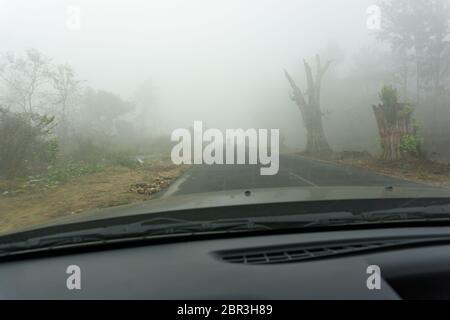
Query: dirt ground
column 111, row 187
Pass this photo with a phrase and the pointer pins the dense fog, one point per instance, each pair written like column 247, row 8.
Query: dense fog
column 144, row 68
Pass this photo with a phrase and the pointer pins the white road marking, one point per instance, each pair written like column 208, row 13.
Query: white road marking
column 303, row 179
column 175, row 186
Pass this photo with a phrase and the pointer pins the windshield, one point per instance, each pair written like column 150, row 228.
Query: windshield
column 115, row 108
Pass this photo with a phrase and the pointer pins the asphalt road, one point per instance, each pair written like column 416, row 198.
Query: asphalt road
column 294, row 171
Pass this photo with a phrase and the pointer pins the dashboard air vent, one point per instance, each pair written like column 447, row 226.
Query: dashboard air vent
column 300, row 253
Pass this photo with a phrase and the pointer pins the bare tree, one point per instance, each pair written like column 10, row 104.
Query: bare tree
column 316, row 141
column 24, row 80
column 67, row 93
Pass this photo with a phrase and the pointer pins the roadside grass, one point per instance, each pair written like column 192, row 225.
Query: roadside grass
column 75, row 187
column 66, row 170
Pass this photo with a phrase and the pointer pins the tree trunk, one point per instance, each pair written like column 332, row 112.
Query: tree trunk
column 316, row 142
column 391, row 133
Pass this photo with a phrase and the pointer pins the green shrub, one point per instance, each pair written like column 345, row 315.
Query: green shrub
column 389, row 96
column 410, row 144
column 66, row 171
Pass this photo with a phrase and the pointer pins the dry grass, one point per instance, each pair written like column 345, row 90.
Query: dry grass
column 416, row 170
column 111, row 187
column 422, row 171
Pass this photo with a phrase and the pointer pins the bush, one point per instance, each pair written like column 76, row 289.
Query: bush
column 87, row 151
column 64, row 172
column 25, row 143
column 91, row 153
column 388, row 96
column 410, row 144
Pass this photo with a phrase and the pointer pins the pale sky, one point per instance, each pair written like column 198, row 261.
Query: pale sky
column 210, row 60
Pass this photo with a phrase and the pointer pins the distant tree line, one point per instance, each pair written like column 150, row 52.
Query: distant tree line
column 49, row 115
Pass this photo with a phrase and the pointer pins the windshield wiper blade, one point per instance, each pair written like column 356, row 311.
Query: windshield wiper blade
column 427, row 213
column 147, row 228
column 154, row 227
column 251, row 223
column 166, row 226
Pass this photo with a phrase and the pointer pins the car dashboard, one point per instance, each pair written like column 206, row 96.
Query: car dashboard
column 414, row 263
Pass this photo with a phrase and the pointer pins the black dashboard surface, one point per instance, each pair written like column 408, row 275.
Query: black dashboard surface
column 192, row 270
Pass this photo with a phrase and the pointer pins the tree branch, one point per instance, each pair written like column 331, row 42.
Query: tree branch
column 311, row 89
column 297, row 93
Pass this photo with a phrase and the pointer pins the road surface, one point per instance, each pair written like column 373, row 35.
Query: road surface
column 294, row 171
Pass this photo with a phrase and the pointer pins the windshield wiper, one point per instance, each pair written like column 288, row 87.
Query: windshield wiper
column 166, row 227
column 170, row 227
column 422, row 213
column 148, row 228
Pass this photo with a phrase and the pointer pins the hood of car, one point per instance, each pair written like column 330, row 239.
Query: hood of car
column 162, row 203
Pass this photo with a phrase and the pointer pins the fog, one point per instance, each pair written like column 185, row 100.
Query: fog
column 222, row 61
column 217, row 61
